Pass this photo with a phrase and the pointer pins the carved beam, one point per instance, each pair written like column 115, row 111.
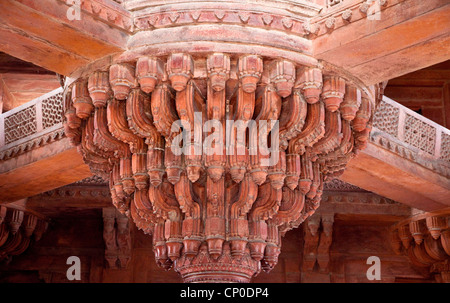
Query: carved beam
column 387, row 60
column 73, row 44
column 404, row 149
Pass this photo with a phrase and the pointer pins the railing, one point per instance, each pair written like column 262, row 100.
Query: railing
column 395, row 127
column 411, row 135
column 31, row 124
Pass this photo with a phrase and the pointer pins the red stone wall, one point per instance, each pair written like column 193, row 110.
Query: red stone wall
column 353, row 242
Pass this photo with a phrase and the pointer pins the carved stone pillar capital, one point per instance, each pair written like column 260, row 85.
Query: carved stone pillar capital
column 219, row 134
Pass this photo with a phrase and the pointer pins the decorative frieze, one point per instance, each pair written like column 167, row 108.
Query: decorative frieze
column 339, row 13
column 108, row 12
column 187, row 16
column 77, row 192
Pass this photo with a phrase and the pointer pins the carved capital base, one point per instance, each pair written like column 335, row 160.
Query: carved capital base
column 225, row 269
column 232, row 193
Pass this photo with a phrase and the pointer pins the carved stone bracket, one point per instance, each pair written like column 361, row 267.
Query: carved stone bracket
column 318, row 236
column 425, row 239
column 225, row 195
column 18, row 230
column 116, row 234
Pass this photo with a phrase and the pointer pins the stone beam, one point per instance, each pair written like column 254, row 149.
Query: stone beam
column 35, row 154
column 66, row 200
column 405, row 36
column 407, row 159
column 362, row 206
column 397, row 179
column 42, row 169
column 40, row 32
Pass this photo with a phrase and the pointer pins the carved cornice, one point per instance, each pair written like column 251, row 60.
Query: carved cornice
column 99, row 192
column 109, row 12
column 94, row 180
column 360, row 198
column 340, row 13
column 32, row 143
column 286, row 7
column 338, row 185
column 222, row 14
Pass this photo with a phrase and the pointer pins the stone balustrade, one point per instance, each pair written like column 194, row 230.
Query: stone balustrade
column 395, row 128
column 412, row 136
column 31, row 125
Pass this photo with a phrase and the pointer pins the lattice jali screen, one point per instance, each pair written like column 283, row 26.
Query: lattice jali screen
column 386, row 118
column 20, row 124
column 52, row 111
column 420, row 134
column 445, row 147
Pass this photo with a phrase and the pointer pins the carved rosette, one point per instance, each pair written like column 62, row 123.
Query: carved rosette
column 425, row 239
column 218, row 210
